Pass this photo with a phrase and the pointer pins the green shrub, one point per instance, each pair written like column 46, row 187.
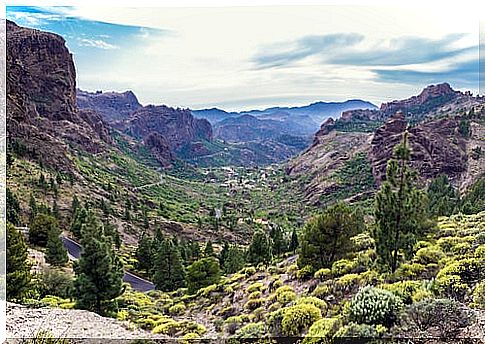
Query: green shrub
column 286, row 297
column 342, row 267
column 321, row 291
column 457, row 278
column 298, row 318
column 190, row 337
column 254, row 295
column 304, row 273
column 231, row 324
column 428, row 255
column 253, row 304
column 348, row 282
column 56, row 282
column 249, row 271
column 251, row 331
column 479, row 296
column 437, row 317
column 258, row 286
column 177, row 309
column 375, row 306
column 322, row 331
column 409, row 271
column 362, row 331
column 323, row 274
column 312, row 300
column 404, row 289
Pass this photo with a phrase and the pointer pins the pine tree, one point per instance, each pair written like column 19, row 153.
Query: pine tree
column 277, row 236
column 294, row 244
column 209, row 249
column 13, row 208
column 18, row 267
column 260, row 250
column 74, row 206
column 33, row 208
column 235, row 260
column 400, row 210
column 442, row 196
column 326, row 237
column 145, row 253
column 40, row 228
column 99, row 272
column 112, row 232
column 80, row 219
column 55, row 210
column 202, row 273
column 55, row 253
column 169, row 272
column 224, row 253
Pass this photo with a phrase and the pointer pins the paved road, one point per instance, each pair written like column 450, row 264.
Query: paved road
column 137, row 283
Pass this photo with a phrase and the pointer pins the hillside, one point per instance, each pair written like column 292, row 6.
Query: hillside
column 442, row 142
column 375, row 231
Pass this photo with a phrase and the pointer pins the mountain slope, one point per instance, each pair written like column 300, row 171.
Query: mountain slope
column 443, row 137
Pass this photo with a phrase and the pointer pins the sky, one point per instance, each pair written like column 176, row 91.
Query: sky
column 253, row 57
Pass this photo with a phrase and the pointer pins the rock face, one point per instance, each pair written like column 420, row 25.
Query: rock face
column 433, row 100
column 177, row 126
column 432, row 96
column 160, row 148
column 436, row 147
column 41, row 100
column 114, row 106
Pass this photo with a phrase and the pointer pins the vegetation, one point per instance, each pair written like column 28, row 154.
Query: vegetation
column 400, row 210
column 326, row 237
column 18, row 268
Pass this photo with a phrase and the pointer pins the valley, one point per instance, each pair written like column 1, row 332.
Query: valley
column 318, row 223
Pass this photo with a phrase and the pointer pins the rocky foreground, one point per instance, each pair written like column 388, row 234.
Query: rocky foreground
column 24, row 322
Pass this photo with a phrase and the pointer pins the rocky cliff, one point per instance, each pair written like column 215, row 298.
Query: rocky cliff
column 448, row 144
column 114, row 106
column 177, row 126
column 42, row 117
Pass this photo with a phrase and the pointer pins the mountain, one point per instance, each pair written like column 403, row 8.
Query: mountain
column 43, row 119
column 349, row 155
column 307, row 117
column 114, row 106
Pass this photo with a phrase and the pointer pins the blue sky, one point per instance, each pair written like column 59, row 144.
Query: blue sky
column 255, row 57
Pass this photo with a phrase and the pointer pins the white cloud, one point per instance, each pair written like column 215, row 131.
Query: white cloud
column 96, row 43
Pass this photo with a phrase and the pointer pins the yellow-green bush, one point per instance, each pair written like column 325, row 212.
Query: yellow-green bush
column 342, row 267
column 323, row 274
column 312, row 300
column 251, row 331
column 254, row 295
column 353, row 330
column 190, row 337
column 177, row 309
column 258, row 286
column 480, row 252
column 348, row 282
column 322, row 331
column 286, row 297
column 321, row 291
column 479, row 296
column 409, row 271
column 429, row 255
column 253, row 304
column 304, row 273
column 404, row 289
column 298, row 318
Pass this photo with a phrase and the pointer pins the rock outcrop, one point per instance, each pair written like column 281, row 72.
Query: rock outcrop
column 177, row 126
column 42, row 118
column 437, row 147
column 159, row 148
column 114, row 106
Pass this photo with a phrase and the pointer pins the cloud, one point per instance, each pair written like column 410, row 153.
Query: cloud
column 465, row 74
column 304, row 47
column 353, row 50
column 96, row 43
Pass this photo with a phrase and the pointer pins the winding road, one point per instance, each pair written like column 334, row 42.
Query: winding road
column 137, row 283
